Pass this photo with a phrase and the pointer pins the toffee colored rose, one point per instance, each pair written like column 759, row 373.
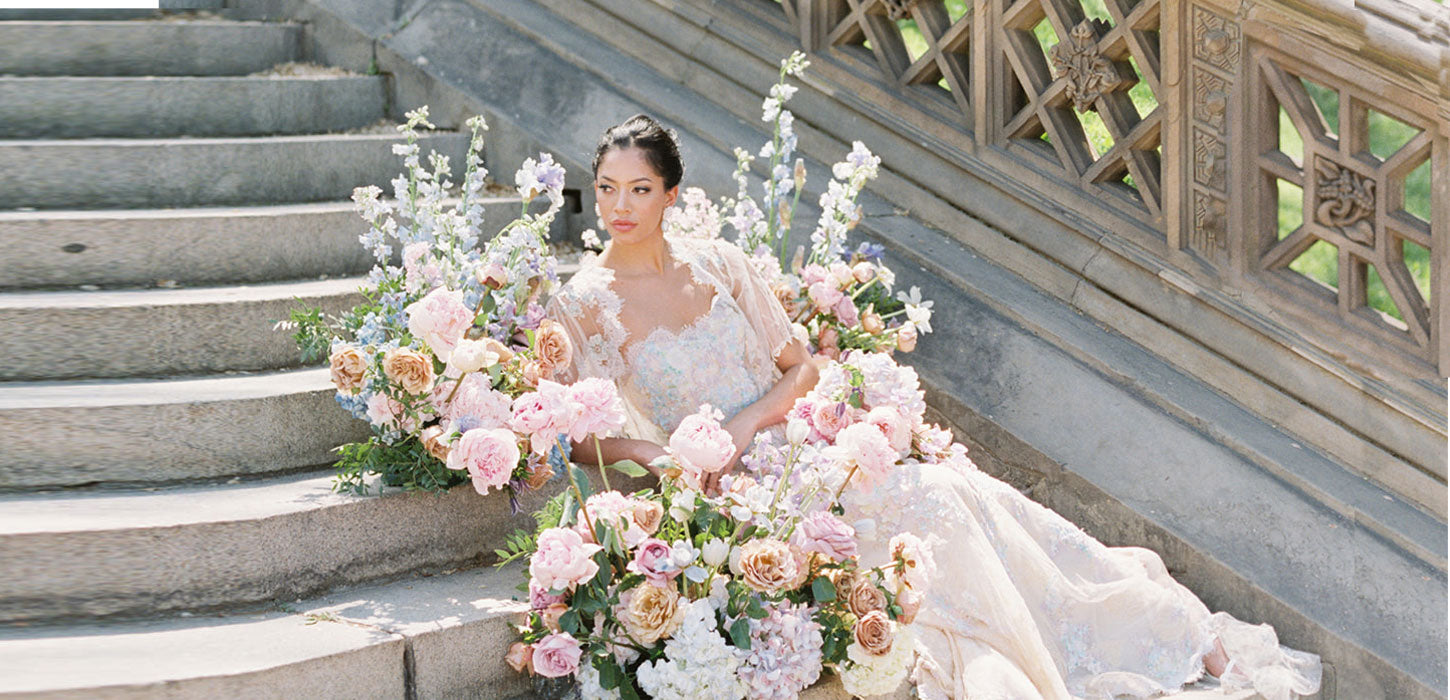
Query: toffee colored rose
column 409, row 369
column 871, row 323
column 875, row 632
column 551, row 614
column 521, row 657
column 789, row 300
column 829, row 338
column 348, row 367
column 906, row 337
column 768, row 566
column 557, row 655
column 497, row 348
column 551, row 347
column 432, row 437
column 647, row 515
column 864, row 597
column 651, row 613
column 539, row 474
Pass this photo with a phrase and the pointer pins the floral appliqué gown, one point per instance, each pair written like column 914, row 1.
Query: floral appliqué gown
column 1025, row 605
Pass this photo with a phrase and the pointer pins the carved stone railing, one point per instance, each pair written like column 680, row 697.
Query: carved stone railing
column 1285, row 161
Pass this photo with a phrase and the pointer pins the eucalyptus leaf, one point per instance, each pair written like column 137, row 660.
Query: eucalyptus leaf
column 629, row 467
column 740, row 633
column 823, row 590
column 582, row 479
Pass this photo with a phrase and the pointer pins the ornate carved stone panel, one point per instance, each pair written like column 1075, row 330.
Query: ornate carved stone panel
column 1210, row 98
column 898, row 9
column 1209, row 153
column 1215, row 40
column 1089, row 74
column 1210, row 223
column 1344, row 200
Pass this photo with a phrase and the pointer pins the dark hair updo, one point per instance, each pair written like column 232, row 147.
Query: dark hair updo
column 658, row 143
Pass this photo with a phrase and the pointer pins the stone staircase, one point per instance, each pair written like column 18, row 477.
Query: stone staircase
column 170, row 186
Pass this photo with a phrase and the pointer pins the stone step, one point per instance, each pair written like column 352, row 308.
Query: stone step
column 81, row 107
column 194, row 548
column 435, row 637
column 149, row 431
column 145, row 173
column 156, row 332
column 196, row 246
column 183, row 47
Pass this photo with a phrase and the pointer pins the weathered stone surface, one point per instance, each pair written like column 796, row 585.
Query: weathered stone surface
column 82, row 107
column 168, row 430
column 199, row 47
column 96, row 173
column 212, row 245
column 254, row 656
column 194, row 548
column 76, row 334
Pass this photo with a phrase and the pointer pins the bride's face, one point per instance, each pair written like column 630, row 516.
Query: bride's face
column 630, row 197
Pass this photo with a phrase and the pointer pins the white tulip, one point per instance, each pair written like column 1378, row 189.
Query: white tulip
column 715, row 552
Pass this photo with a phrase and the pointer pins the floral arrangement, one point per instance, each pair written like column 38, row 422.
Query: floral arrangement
column 752, row 593
column 839, row 299
column 449, row 357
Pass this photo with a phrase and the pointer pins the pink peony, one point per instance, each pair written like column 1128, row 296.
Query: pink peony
column 824, row 295
column 813, row 273
column 894, row 426
column 846, row 311
column 863, row 446
column 540, row 597
column 562, row 559
column 385, row 412
column 476, row 399
column 601, row 412
column 440, row 319
column 830, row 417
column 615, row 509
column 699, row 444
column 489, row 455
column 543, row 415
column 650, row 561
column 557, row 655
column 824, row 533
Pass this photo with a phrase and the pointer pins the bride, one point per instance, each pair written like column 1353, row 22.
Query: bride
column 1027, row 605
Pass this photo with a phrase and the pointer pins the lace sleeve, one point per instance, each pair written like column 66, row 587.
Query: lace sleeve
column 756, row 299
column 589, row 312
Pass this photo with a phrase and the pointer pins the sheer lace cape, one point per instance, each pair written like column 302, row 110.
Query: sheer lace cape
column 724, row 357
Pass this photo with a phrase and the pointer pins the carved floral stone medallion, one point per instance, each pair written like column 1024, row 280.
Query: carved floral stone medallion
column 898, row 9
column 1210, row 224
column 1210, row 98
column 1209, row 153
column 1215, row 40
column 1344, row 200
column 1089, row 73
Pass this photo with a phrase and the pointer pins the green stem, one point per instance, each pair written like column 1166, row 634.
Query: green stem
column 578, row 493
column 863, row 288
column 599, row 454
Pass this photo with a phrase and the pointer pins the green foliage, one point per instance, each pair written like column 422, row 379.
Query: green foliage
column 313, row 335
column 406, row 465
column 823, row 590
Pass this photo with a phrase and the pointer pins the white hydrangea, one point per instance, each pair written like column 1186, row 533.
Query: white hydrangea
column 698, row 664
column 879, row 675
column 589, row 687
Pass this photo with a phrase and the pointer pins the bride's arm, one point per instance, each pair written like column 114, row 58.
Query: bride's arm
column 615, row 450
column 798, row 376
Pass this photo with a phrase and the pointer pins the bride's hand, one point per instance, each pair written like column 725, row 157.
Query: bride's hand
column 742, row 433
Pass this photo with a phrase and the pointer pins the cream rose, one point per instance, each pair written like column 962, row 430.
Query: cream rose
column 521, row 657
column 651, row 613
column 647, row 515
column 409, row 369
column 769, row 566
column 348, row 367
column 875, row 632
column 551, row 347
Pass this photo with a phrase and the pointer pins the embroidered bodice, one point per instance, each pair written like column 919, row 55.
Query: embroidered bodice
column 724, row 357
